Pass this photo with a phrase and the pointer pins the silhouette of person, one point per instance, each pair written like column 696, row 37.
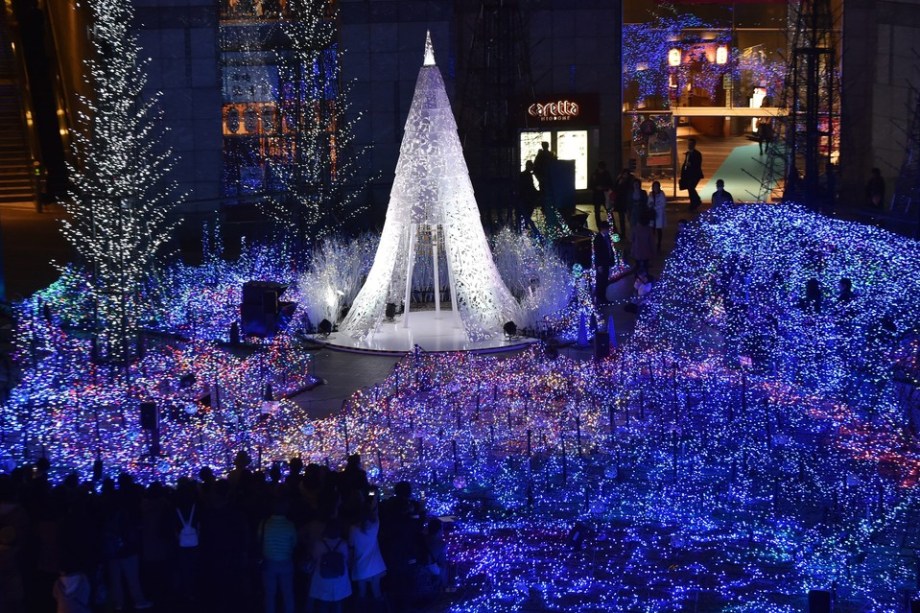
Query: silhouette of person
column 720, row 196
column 764, row 134
column 875, row 190
column 601, row 181
column 603, row 260
column 691, row 172
column 541, row 165
column 526, row 197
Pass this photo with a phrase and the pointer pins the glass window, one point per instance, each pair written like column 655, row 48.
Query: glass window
column 573, row 145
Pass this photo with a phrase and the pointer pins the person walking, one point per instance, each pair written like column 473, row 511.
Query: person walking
column 657, row 202
column 691, row 172
column 601, row 181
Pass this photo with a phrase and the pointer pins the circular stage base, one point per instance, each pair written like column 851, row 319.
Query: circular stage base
column 431, row 331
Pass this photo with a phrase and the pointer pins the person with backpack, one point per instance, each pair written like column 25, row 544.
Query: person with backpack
column 330, row 584
column 368, row 567
column 187, row 526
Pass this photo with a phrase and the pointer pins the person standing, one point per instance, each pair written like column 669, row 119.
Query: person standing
column 657, row 201
column 603, row 260
column 642, row 247
column 637, row 202
column 875, row 190
column 542, row 170
column 121, row 534
column 541, row 166
column 764, row 134
column 369, row 566
column 278, row 537
column 526, row 197
column 720, row 197
column 601, row 181
column 691, row 172
column 330, row 583
column 621, row 193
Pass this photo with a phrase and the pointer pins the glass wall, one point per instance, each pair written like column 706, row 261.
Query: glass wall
column 267, row 95
column 566, row 144
column 702, row 55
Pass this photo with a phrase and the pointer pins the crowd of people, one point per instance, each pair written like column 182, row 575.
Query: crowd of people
column 302, row 538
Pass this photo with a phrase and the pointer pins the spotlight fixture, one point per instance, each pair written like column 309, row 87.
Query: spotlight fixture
column 325, row 327
column 510, row 329
column 390, row 311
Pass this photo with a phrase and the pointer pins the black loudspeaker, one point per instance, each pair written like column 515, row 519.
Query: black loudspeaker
column 149, row 417
column 601, row 345
column 261, row 307
column 819, row 601
column 270, row 302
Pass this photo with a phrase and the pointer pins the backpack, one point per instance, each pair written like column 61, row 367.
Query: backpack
column 188, row 535
column 332, row 562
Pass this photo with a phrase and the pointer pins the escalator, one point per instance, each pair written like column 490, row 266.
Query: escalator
column 17, row 182
column 34, row 100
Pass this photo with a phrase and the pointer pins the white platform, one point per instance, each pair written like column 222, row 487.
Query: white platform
column 429, row 330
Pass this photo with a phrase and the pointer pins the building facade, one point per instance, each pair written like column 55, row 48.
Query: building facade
column 498, row 60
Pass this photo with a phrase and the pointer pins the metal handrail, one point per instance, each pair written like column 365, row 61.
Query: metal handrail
column 12, row 43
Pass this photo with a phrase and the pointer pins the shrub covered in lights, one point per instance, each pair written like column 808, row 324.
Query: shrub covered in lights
column 745, row 275
column 698, row 481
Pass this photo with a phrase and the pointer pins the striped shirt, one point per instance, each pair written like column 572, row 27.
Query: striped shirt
column 278, row 538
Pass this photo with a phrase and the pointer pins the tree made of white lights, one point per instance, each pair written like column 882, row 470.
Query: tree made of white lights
column 432, row 196
column 120, row 200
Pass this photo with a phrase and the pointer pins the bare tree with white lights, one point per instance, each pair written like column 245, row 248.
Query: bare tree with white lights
column 121, row 199
column 316, row 161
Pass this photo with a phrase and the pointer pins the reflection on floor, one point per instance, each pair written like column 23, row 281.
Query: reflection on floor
column 429, row 330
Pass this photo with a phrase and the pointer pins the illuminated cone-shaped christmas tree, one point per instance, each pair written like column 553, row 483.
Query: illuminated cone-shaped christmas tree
column 432, row 196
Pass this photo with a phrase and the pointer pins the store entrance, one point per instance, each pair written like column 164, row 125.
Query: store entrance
column 729, row 140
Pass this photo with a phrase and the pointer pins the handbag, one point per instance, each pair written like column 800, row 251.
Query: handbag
column 682, row 184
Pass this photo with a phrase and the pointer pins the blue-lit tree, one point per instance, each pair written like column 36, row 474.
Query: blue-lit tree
column 315, row 162
column 121, row 200
column 645, row 52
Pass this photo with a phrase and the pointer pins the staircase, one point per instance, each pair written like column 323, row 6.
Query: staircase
column 16, row 181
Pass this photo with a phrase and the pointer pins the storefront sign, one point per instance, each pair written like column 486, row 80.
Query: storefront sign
column 560, row 110
column 576, row 110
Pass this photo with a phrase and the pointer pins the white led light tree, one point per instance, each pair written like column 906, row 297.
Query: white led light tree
column 316, row 161
column 120, row 199
column 432, row 196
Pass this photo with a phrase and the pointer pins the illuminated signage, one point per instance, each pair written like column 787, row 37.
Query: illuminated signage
column 560, row 110
column 568, row 111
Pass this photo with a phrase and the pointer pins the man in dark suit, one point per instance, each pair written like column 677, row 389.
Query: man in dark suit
column 691, row 172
